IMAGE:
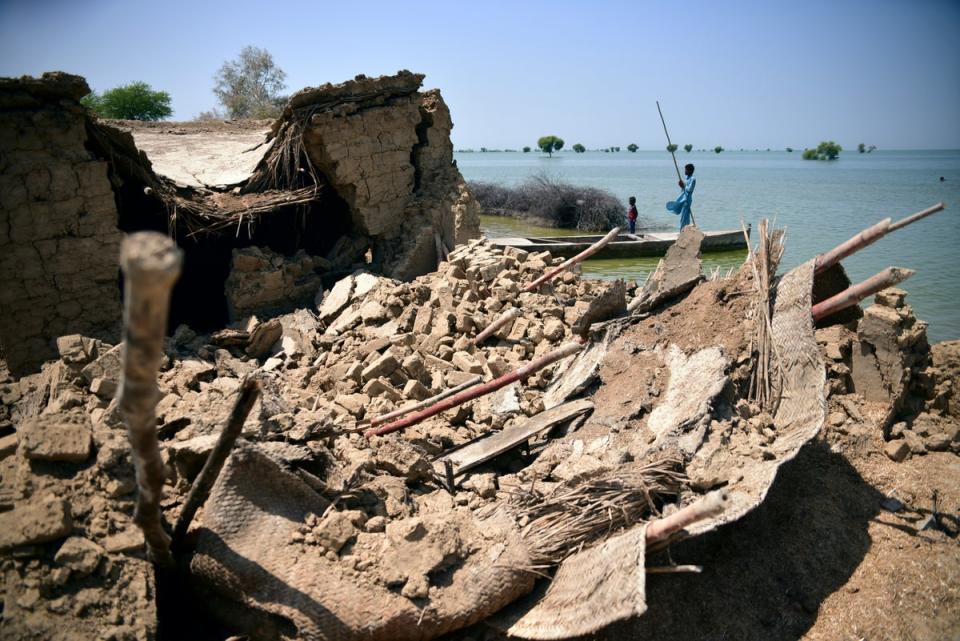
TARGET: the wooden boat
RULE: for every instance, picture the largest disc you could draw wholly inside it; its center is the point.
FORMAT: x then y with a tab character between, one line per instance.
625	245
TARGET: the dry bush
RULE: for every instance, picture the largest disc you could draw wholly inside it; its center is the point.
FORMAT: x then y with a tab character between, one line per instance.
550	202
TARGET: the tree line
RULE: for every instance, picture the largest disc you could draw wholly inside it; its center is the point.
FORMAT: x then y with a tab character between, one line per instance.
249	86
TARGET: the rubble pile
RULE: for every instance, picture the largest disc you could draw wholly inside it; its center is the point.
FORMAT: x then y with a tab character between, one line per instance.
377	516
372	345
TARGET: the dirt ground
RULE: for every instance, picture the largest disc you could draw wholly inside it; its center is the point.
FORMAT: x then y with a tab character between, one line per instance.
821	558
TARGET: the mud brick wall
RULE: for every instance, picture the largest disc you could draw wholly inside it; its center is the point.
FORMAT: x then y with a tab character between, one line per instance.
263	281
385	147
59	242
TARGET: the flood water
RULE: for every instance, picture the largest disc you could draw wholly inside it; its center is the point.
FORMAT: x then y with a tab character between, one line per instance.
819	203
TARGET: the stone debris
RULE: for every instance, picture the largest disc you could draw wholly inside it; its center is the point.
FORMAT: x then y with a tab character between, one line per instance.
47	519
56	437
372	345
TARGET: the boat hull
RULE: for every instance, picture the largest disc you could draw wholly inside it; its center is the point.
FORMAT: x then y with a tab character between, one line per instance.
625	245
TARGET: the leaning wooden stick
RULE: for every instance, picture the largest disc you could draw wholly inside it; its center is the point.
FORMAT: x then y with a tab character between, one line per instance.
869	236
856	293
151	264
503	319
413	407
479	390
200	490
710	505
570	262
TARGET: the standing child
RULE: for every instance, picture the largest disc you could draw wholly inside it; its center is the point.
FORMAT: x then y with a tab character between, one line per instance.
632	215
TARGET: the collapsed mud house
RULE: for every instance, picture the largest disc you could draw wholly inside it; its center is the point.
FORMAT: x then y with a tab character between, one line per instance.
356	174
343	514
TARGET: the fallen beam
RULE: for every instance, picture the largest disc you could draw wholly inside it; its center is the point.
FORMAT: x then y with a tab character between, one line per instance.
856	293
488	447
478	390
151	265
570	262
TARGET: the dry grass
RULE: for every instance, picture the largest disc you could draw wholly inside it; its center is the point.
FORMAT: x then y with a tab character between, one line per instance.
765	365
579	513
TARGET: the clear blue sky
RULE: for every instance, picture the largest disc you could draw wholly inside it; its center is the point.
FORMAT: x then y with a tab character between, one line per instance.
738	74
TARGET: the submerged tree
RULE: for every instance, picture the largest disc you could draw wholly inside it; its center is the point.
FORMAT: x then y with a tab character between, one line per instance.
526	150
250	86
790	150
862	148
826	150
718	149
632	148
579	148
672	148
688	148
550	144
136	101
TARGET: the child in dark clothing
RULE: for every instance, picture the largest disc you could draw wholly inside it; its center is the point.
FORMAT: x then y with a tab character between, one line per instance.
632	215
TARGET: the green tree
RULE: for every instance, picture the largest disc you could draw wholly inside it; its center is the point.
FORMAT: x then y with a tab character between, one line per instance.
826	150
250	86
579	148
136	101
862	148
526	150
717	149
632	148
688	148
550	144
672	148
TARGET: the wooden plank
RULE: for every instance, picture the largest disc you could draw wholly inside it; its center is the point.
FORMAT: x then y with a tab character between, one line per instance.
484	449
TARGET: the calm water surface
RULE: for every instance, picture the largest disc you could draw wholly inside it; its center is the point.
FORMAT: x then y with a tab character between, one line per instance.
819	203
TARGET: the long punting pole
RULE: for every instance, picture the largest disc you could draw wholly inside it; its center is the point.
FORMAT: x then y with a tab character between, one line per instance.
478	390
856	293
675	165
869	236
570	262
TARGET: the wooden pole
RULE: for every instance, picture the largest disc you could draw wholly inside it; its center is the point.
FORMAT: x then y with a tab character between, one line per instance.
479	390
570	262
710	505
869	236
403	411
491	329
200	490
675	165
151	265
856	293
917	216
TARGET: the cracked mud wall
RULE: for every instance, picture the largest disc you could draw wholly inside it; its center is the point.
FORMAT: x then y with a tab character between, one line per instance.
385	147
59	240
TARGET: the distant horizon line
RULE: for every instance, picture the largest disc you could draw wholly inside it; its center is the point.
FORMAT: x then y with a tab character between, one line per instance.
478	150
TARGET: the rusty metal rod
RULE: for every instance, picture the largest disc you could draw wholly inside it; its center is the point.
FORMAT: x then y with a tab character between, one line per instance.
478	390
491	329
856	293
151	265
570	262
200	490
